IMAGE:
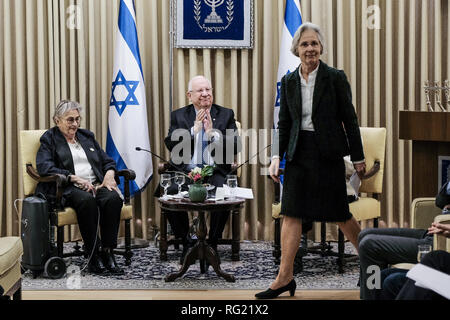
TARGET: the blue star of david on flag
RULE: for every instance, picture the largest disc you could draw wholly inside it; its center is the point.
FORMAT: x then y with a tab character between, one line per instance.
277	102
130	100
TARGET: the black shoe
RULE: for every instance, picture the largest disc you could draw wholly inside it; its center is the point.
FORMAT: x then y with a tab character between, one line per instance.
94	265
271	294
109	262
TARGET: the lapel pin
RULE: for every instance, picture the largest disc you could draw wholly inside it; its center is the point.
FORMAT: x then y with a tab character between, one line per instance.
92	149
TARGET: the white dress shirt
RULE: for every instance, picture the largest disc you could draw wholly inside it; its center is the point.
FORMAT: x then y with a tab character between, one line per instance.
307	88
83	168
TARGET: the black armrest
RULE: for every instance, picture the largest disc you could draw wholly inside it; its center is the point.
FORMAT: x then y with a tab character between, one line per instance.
163	167
372	171
128	175
59	179
276	186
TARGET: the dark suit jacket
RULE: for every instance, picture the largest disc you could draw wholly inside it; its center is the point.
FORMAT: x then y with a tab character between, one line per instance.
223	119
54	157
332	112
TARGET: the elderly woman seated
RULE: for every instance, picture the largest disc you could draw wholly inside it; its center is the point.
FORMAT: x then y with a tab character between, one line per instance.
93	193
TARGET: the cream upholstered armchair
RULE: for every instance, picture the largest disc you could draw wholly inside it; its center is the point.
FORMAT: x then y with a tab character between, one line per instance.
10	276
29	145
367	207
423	213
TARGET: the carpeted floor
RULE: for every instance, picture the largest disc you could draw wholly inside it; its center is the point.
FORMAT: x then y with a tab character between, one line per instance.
255	270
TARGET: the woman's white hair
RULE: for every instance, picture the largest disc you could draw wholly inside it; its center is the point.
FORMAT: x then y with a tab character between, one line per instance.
298	35
65	106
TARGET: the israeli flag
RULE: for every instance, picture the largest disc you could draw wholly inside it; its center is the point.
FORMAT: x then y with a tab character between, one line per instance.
128	127
288	62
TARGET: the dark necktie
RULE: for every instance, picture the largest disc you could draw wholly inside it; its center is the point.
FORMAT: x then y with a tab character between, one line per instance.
204	146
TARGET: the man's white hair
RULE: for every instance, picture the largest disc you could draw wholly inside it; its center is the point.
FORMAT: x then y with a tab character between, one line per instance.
197	78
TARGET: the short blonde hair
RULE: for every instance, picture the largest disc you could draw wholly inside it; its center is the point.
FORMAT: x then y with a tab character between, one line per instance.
298	35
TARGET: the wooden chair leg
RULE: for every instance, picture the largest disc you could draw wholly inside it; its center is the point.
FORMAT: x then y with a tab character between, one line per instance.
277	241
128	253
163	237
18	294
236	238
375	223
341	249
60	241
323	237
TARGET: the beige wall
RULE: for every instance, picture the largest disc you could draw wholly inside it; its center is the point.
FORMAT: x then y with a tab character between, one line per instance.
42	61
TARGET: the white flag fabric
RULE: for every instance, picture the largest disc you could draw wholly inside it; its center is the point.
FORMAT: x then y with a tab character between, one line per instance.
128	127
288	62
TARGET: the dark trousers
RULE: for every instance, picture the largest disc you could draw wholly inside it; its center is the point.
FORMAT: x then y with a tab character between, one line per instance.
392	280
106	203
179	221
438	260
384	247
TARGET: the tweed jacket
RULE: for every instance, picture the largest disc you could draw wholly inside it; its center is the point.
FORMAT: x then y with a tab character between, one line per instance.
335	123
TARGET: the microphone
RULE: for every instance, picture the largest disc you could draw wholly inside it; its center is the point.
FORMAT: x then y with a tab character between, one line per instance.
256	154
159	157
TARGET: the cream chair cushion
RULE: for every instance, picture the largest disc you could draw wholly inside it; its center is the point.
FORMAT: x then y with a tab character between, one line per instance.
440	242
276	210
11	250
69	216
365	209
374	143
29	146
423	212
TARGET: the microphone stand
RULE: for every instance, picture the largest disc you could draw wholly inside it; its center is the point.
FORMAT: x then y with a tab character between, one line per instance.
252	157
138	242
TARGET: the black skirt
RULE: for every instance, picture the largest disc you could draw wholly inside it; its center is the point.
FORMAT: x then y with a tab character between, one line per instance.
314	188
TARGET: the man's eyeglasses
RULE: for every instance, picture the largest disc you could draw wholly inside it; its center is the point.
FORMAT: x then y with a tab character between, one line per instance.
200	91
71	120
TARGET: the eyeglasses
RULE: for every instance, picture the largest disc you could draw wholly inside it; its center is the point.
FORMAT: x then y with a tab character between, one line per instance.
200	91
71	120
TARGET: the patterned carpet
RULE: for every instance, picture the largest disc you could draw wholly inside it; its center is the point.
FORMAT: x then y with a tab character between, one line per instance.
255	270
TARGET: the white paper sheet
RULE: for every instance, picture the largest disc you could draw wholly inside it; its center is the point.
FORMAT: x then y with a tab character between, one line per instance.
355	182
244	193
432	279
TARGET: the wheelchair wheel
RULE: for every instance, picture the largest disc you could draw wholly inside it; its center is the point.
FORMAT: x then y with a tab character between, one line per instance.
55	268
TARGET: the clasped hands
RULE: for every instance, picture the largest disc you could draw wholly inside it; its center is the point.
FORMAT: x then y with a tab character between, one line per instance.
439	228
108	182
203	120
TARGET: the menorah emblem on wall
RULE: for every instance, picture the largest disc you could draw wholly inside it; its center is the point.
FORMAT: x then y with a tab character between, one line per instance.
214	17
433	94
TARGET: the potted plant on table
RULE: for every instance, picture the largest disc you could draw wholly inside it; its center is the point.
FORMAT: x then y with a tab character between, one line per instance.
197	191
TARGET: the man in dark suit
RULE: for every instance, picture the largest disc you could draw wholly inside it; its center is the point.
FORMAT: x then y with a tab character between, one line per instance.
200	134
